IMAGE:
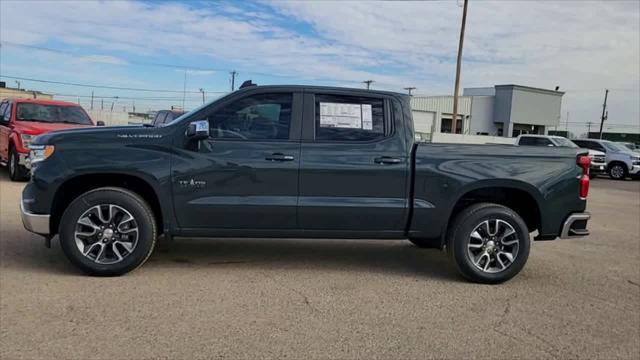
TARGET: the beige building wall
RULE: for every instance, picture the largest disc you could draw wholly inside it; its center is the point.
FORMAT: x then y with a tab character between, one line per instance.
24	94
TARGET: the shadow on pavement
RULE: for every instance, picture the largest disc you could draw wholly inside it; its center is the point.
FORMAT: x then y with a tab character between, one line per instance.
393	257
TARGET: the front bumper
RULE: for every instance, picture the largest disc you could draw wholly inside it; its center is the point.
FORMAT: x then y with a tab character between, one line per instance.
634	170
598	168
575	226
36	223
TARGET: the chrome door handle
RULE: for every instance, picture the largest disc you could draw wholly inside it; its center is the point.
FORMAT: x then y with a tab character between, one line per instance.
279	157
387	160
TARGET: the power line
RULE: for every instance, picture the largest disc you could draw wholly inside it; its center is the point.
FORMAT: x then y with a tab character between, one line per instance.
176	66
105	86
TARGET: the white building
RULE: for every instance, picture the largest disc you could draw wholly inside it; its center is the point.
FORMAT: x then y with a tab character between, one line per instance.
502	110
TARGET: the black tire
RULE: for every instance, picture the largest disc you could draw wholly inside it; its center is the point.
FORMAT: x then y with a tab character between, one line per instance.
17	172
459	238
125	199
618	171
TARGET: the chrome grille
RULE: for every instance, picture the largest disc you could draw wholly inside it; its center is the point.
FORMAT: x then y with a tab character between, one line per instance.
598	159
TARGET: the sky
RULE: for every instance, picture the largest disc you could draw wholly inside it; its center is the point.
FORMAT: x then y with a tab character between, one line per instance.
581	46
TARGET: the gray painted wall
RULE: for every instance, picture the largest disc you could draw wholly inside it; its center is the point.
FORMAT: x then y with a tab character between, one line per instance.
535	108
482	115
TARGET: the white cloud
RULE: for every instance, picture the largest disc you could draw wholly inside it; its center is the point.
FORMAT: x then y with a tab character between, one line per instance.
104	59
580	46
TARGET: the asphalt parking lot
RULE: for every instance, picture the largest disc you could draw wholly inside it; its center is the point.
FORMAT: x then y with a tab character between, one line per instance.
303	299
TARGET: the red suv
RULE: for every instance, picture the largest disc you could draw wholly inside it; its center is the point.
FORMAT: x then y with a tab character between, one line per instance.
23	119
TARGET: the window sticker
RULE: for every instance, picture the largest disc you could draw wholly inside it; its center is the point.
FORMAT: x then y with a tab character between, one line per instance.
367	119
352	116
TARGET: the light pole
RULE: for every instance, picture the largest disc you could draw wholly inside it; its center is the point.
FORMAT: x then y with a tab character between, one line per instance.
202	91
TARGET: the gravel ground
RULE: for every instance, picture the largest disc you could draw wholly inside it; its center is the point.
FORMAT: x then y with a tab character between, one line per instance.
325	298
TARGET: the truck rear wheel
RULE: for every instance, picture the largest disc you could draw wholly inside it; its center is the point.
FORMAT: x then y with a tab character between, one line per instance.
489	243
17	172
108	231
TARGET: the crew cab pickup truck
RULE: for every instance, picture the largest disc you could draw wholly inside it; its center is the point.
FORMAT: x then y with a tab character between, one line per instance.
302	162
23	119
621	161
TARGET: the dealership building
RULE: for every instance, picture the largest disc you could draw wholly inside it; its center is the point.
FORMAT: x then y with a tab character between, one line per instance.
501	110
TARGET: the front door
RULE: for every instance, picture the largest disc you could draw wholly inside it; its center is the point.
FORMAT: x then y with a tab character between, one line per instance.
245	176
5	130
354	166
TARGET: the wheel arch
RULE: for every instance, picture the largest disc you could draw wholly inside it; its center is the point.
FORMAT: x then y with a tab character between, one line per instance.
80	184
522	198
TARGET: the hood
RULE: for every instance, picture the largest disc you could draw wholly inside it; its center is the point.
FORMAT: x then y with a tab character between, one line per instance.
98	134
37	128
595	152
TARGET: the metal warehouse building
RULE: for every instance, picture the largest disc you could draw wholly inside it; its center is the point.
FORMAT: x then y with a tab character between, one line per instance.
502	110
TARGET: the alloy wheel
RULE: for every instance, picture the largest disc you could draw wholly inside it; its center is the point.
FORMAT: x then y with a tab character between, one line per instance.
106	234
493	246
617	172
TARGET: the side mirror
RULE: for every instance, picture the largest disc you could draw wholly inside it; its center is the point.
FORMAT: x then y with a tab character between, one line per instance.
99	123
198	130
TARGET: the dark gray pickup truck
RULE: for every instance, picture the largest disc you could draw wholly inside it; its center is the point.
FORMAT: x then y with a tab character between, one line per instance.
303	162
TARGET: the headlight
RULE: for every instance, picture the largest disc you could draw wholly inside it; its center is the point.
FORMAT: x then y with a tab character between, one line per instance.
26	140
40	152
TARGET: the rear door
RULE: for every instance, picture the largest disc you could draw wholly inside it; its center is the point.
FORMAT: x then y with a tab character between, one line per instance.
245	176
354	165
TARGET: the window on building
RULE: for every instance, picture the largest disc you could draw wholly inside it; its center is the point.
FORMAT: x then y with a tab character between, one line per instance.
445	126
349	118
258	117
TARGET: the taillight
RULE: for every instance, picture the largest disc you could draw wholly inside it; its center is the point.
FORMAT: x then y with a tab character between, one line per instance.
584	186
584	162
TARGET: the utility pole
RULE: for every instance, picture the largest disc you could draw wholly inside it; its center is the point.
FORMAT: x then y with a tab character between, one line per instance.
202	91
91	99
101	104
588	128
368	82
133	103
18	83
410	89
233	79
605	113
459	64
184	89
566	127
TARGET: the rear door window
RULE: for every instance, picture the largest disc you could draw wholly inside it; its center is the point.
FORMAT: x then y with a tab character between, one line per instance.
349	118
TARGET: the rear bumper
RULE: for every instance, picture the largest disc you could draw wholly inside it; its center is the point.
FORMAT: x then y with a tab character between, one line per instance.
36	223
575	226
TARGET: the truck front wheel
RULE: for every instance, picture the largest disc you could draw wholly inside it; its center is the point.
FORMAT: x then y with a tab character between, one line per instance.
489	243
17	172
108	231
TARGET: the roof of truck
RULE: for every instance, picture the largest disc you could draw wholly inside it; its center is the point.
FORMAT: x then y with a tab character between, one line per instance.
42	101
322	88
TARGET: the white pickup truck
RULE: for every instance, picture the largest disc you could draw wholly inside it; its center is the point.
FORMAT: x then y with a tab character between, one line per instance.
598	158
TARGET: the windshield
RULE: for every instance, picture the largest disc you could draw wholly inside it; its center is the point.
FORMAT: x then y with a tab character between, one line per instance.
615	147
562	142
52	114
